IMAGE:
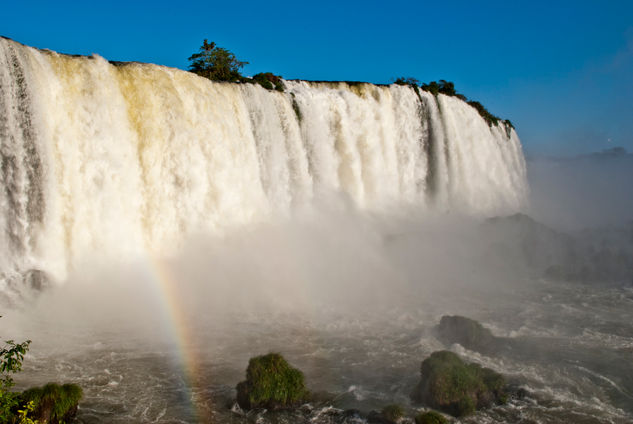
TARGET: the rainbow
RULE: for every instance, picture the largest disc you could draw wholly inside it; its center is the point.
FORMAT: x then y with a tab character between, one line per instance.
180	331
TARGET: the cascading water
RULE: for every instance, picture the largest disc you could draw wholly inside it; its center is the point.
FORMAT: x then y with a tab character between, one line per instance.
130	162
120	158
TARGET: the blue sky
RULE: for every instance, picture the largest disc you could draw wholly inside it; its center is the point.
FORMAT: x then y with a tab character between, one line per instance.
562	71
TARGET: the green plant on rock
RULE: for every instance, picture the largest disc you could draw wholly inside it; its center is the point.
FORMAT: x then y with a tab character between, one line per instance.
59	402
453	386
430	417
392	413
271	383
216	63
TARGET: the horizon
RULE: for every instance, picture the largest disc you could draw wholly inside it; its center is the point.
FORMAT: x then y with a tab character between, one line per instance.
565	97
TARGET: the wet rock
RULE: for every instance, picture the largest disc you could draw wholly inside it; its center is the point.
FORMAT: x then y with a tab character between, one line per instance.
468	333
458	388
390	414
36	279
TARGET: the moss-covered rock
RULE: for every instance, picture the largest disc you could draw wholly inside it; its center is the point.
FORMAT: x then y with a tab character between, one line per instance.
392	413
458	388
271	383
53	403
467	332
430	417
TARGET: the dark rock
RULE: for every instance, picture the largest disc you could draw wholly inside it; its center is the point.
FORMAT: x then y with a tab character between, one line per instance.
271	383
36	279
467	332
458	388
390	414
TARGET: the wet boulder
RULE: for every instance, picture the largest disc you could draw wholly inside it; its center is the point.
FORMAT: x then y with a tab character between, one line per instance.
451	385
390	414
271	383
468	333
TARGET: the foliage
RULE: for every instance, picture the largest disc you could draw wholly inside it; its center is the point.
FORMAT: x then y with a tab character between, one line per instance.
441	87
11	357
216	63
268	80
271	383
392	413
430	417
23	414
456	387
59	402
406	81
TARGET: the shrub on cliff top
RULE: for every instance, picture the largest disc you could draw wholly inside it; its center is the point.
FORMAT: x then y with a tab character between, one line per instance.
271	383
269	81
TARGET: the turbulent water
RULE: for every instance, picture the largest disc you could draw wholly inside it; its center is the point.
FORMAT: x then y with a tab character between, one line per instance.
187	225
127	158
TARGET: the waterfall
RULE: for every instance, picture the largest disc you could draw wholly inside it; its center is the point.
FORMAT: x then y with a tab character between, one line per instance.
128	157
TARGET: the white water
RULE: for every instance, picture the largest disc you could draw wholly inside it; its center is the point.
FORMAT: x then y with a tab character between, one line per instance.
118	160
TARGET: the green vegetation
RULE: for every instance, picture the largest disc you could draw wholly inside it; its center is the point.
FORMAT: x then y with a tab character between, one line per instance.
269	81
392	413
430	417
456	387
271	383
53	404
219	64
407	81
11	357
216	63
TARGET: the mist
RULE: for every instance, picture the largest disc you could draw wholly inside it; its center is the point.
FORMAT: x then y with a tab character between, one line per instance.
591	190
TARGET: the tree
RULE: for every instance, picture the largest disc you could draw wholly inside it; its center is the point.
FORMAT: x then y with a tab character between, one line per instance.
216	63
406	81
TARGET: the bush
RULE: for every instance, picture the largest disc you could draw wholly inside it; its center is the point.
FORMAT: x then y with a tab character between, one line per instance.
53	404
406	81
271	383
269	81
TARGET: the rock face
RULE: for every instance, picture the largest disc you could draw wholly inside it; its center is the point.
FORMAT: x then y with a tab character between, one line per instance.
467	332
458	388
271	383
54	404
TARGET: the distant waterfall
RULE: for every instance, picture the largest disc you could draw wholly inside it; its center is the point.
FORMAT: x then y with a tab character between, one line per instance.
124	158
